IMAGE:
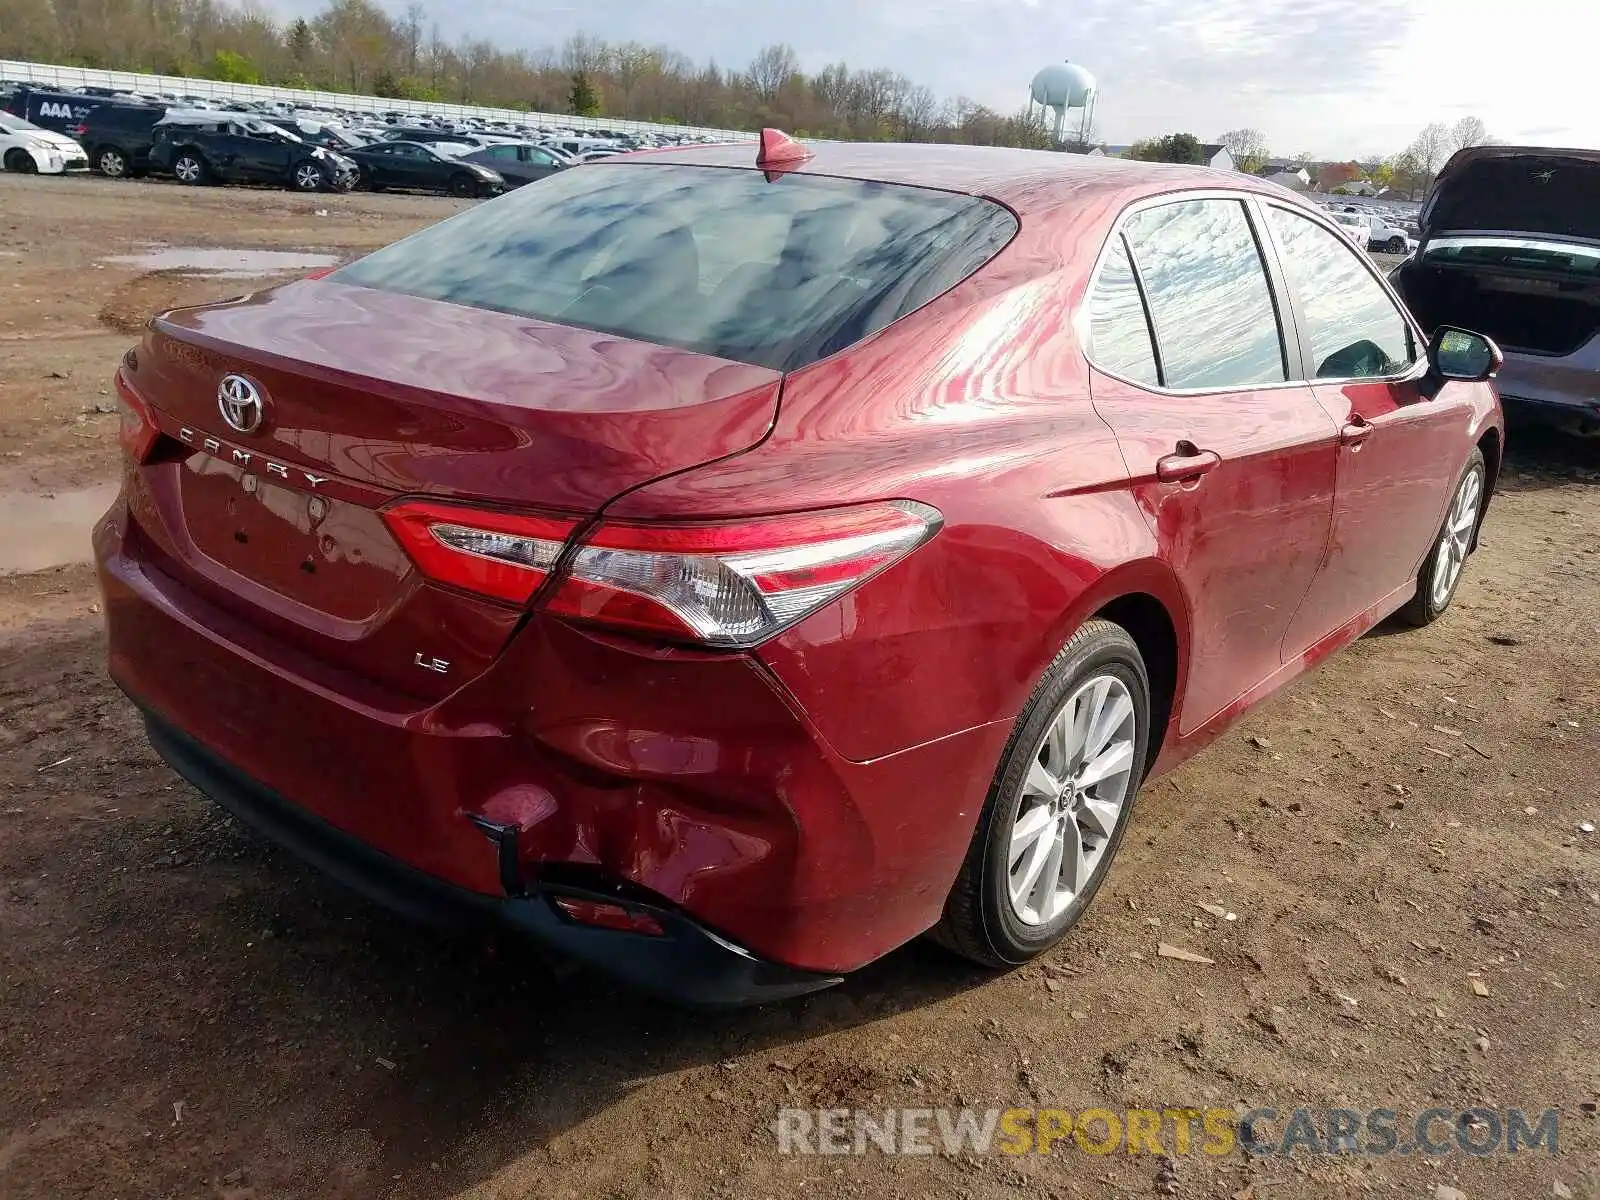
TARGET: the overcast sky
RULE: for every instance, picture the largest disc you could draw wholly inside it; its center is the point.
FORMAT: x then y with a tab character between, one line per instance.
1337	77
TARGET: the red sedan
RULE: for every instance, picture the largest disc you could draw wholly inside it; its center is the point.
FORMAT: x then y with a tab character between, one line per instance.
724	569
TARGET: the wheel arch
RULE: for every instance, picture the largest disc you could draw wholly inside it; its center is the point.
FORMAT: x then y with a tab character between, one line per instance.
1150	625
1492	446
1146	599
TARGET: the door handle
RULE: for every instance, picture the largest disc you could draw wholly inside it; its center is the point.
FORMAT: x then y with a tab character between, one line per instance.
1356	430
1188	462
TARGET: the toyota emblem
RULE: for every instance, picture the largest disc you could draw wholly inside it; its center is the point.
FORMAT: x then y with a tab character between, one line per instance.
239	401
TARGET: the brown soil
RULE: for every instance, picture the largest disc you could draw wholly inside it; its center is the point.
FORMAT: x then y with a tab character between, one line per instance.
187	1012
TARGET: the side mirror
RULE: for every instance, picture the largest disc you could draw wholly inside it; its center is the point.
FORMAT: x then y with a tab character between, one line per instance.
1462	355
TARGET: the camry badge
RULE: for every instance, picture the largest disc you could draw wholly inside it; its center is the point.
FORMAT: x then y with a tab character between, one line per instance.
239	401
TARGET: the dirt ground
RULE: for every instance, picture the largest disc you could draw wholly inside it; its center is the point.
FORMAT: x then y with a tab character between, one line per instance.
187	1012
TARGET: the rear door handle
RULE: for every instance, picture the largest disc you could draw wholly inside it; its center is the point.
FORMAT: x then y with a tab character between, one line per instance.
1187	463
1355	431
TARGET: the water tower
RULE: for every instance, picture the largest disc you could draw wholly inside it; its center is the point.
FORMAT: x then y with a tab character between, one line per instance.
1061	86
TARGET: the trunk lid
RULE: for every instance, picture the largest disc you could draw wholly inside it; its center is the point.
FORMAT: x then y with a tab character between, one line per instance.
1516	189
368	395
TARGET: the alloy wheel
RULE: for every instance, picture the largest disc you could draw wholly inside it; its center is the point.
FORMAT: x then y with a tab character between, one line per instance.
112	164
1451	553
187	169
1071	800
308	178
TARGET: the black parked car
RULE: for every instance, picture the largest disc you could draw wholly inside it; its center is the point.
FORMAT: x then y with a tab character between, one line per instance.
117	137
433	137
211	147
413	165
52	110
519	162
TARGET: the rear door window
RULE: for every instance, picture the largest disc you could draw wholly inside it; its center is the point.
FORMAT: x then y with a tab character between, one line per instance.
1215	321
721	261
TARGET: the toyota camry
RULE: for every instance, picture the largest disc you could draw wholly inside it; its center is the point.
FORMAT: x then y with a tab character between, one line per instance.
724	565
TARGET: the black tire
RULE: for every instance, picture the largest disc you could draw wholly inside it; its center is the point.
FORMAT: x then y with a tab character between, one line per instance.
1396	245
191	169
463	186
112	162
307	176
21	162
979	921
1433	599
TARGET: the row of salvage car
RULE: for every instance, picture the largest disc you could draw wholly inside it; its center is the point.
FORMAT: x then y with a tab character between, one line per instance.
120	137
210	147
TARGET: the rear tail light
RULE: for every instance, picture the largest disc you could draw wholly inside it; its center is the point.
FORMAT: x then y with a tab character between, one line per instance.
503	555
138	433
728	584
735	584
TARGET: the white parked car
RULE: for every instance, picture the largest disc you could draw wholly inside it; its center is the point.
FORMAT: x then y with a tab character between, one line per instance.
1374	233
27	148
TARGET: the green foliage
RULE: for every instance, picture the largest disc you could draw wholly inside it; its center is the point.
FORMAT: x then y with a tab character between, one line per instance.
232	68
582	98
302	43
1173	148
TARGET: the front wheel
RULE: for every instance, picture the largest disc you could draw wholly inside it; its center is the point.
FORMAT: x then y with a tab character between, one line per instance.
308	177
190	169
1441	572
463	186
22	163
1059	804
1396	245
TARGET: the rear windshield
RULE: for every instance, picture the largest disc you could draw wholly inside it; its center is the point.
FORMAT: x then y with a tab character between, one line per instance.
708	259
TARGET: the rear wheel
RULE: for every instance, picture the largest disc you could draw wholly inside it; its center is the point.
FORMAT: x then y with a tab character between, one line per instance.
1441	572
111	162
1059	804
463	186
308	177
190	168
21	162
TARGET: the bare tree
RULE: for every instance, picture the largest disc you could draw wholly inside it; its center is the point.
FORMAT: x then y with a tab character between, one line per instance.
412	28
1468	132
773	67
1248	147
1431	147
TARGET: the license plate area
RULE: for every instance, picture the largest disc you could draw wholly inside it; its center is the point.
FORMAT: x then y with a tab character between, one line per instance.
329	555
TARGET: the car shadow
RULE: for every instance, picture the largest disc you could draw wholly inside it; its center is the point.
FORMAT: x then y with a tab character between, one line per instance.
489	1052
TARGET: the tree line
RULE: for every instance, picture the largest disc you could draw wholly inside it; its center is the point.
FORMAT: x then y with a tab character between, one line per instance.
355	46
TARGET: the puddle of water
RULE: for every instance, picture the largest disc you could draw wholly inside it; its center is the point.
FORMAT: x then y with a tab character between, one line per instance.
38	532
223	264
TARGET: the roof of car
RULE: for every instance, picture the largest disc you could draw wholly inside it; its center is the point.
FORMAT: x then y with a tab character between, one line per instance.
1022	179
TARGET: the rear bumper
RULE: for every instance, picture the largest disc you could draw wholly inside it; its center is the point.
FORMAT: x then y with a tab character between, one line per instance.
693	782
1568	386
687	963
